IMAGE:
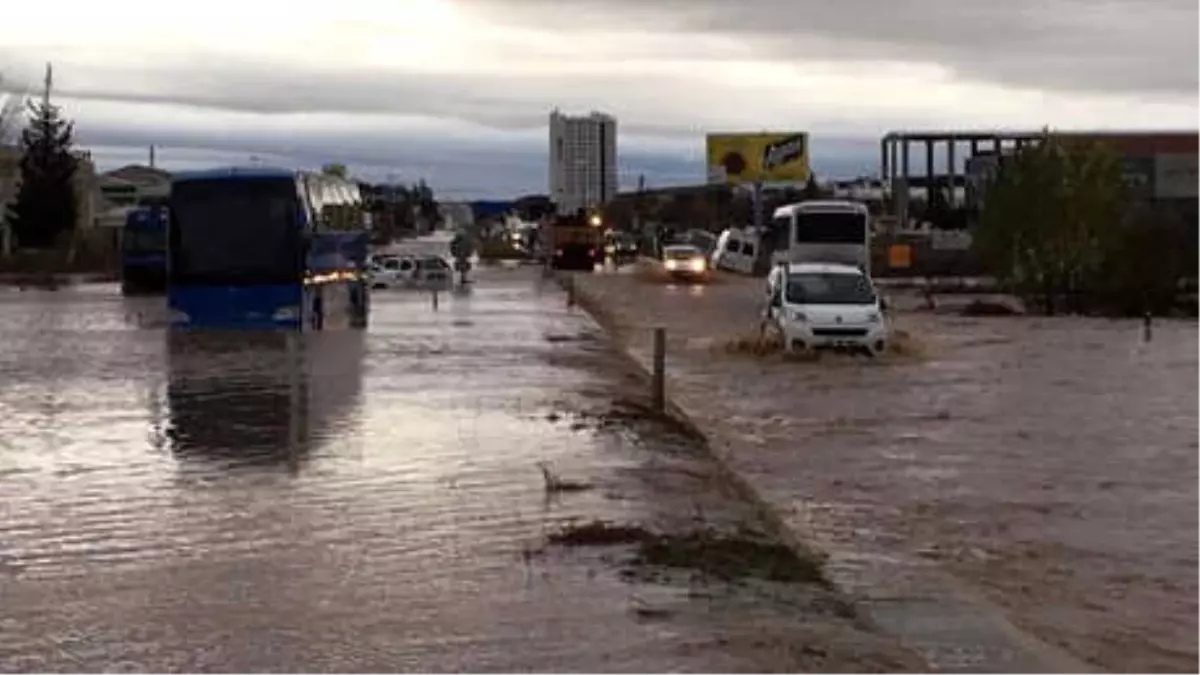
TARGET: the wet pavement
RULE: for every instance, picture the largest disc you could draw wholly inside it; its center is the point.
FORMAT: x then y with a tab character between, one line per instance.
1044	468
364	502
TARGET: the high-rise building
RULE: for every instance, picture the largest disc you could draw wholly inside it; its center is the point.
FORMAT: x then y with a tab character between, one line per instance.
583	160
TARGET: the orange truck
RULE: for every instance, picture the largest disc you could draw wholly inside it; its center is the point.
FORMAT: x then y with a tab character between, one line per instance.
576	241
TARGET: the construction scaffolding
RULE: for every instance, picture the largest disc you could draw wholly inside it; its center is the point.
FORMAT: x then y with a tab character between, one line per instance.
895	155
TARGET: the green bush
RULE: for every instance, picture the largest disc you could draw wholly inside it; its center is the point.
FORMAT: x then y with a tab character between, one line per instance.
1058	229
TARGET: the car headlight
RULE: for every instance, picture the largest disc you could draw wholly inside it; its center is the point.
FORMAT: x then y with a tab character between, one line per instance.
797	315
874	317
671	265
698	265
286	314
176	317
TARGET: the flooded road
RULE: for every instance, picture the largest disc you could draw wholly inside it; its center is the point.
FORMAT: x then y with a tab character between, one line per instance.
362	502
1048	465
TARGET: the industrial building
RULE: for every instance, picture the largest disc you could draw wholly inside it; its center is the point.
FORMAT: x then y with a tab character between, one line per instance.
1158	165
583	160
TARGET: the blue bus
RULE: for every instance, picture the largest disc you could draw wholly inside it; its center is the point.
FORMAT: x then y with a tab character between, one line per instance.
265	248
144	251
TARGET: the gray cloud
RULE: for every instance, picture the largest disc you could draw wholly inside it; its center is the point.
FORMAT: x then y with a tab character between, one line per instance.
491	140
1125	46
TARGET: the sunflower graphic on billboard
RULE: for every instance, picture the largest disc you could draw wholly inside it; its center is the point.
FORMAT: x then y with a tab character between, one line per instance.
759	157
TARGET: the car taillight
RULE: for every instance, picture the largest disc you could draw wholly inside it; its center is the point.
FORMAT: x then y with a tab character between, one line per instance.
592	252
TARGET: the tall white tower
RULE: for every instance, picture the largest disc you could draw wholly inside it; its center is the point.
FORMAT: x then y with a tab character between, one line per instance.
583	160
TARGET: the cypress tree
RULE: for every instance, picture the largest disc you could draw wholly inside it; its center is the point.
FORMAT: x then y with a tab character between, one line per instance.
46	203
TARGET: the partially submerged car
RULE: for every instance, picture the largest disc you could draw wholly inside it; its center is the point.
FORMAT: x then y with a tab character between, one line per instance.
391	271
410	271
826	306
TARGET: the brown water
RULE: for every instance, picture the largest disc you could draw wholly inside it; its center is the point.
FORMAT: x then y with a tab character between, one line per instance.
354	502
1048	464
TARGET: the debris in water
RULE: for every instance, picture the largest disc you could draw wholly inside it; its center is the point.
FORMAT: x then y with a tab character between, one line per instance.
556	484
598	533
706	551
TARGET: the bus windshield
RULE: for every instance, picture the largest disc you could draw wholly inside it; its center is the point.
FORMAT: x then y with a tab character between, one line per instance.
235	231
831	228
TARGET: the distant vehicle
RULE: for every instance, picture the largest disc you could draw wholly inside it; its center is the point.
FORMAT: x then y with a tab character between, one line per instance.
410	271
702	239
622	246
826	306
392	271
829	231
685	261
576	242
265	248
432	270
144	251
736	250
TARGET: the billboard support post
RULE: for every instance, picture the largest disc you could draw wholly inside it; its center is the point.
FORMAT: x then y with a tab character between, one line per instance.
758	206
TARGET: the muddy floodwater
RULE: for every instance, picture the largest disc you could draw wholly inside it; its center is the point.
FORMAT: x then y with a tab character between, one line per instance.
1049	465
368	501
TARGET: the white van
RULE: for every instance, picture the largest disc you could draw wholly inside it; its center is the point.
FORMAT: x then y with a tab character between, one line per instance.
735	251
832	231
826	306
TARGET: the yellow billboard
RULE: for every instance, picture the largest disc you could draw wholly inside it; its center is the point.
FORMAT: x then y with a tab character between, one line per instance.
761	157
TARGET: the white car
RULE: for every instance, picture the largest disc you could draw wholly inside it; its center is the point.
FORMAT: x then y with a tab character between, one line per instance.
826	306
684	261
392	271
432	270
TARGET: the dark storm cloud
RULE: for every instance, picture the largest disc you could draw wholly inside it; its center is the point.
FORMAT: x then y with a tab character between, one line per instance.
1080	59
454	168
230	83
1106	46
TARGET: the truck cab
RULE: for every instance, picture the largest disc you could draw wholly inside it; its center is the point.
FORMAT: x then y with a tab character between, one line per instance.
576	241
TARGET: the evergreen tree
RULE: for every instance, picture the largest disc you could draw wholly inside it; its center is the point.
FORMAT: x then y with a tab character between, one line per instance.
426	205
46	203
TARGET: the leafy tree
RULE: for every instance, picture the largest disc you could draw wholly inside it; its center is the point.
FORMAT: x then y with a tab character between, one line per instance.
335	169
1152	251
397	209
46	204
1050	218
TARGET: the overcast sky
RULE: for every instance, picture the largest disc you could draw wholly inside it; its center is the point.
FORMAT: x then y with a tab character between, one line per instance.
458	91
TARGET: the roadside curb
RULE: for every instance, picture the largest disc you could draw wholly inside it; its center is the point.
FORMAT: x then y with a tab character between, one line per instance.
769	514
953	630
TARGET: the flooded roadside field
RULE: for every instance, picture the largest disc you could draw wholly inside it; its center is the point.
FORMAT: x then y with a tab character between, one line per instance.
1049	465
374	502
